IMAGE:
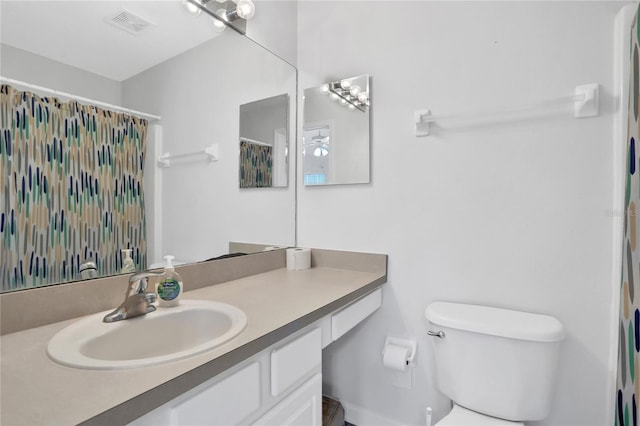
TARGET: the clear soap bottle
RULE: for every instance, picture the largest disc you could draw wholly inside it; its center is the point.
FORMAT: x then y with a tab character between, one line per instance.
127	263
170	288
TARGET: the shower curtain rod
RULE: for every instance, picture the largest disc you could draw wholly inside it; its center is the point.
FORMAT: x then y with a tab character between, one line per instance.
255	142
83	99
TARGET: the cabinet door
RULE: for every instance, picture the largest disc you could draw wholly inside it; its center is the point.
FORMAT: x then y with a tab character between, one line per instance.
291	362
216	402
302	408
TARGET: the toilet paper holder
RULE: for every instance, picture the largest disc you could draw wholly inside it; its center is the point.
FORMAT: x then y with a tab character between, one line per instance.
410	344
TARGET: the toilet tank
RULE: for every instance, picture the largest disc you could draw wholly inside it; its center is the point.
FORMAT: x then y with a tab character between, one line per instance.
495	361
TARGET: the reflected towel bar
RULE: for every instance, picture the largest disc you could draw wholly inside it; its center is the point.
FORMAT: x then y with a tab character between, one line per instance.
585	100
211	152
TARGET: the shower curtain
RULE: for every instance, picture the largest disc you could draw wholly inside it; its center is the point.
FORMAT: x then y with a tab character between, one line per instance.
628	380
71	177
256	165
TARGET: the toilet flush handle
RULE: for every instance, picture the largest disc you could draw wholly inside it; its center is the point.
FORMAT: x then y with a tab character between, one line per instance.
438	333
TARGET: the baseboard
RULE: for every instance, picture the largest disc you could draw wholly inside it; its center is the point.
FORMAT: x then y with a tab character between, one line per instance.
362	417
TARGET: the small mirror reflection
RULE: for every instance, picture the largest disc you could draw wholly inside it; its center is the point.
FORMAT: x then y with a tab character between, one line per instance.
336	132
264	143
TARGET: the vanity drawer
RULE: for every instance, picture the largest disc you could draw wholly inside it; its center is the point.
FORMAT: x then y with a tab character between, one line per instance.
227	402
292	361
347	318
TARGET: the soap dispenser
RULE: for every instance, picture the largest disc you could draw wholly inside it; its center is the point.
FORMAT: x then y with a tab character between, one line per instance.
127	263
170	288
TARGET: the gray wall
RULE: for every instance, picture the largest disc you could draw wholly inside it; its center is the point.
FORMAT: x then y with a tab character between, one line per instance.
21	65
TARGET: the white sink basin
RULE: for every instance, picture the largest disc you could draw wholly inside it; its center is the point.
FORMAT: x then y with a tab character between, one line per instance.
168	334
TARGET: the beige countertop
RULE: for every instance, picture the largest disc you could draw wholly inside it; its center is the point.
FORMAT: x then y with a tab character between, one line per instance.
36	391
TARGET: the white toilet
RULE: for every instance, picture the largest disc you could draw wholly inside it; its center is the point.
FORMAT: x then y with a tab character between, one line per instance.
498	366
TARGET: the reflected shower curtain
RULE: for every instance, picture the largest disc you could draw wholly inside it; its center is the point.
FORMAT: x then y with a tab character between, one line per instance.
628	380
256	165
71	180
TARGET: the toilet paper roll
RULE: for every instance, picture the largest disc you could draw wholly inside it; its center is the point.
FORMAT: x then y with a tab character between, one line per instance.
395	357
298	259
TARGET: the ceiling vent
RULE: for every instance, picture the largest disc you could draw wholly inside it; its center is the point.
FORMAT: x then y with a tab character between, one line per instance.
129	22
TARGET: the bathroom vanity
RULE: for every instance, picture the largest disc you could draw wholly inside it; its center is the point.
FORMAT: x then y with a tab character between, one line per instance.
269	374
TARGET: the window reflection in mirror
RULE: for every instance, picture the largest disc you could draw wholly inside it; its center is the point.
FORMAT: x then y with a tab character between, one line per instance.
335	143
264	143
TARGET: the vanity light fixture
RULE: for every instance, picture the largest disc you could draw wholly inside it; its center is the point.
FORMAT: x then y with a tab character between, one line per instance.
244	9
349	95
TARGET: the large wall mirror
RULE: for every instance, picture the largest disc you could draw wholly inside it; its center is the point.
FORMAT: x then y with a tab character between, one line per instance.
335	144
166	62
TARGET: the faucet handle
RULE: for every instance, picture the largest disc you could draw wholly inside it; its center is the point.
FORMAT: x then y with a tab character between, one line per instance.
146	274
138	282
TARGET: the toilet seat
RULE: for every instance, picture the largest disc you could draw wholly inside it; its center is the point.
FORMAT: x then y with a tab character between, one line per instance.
460	416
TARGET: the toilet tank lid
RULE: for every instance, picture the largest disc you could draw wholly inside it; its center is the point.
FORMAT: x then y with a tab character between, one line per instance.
495	321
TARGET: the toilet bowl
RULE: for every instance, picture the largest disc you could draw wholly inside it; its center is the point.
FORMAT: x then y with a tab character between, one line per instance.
460	416
483	359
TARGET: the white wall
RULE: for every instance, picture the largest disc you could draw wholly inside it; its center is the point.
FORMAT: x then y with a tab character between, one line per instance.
24	66
198	95
514	215
274	26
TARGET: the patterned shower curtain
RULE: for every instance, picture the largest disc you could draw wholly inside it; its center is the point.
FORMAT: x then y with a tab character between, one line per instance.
256	165
628	380
71	179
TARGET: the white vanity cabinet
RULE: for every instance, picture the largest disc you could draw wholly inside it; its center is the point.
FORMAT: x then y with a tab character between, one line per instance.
302	407
279	386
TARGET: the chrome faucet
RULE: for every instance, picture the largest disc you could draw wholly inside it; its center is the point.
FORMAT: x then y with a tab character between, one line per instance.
88	269
137	301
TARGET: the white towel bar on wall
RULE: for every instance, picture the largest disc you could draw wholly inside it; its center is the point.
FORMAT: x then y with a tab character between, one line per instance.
211	152
586	99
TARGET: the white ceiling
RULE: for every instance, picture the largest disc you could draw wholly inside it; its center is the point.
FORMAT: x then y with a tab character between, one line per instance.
77	33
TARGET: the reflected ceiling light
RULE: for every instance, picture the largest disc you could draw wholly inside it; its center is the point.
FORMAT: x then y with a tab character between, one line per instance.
192	8
320	151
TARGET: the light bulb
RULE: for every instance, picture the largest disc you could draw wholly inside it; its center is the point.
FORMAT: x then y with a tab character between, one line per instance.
343	101
354	90
245	9
325	88
222	14
192	8
362	97
345	84
351	107
334	97
218	25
